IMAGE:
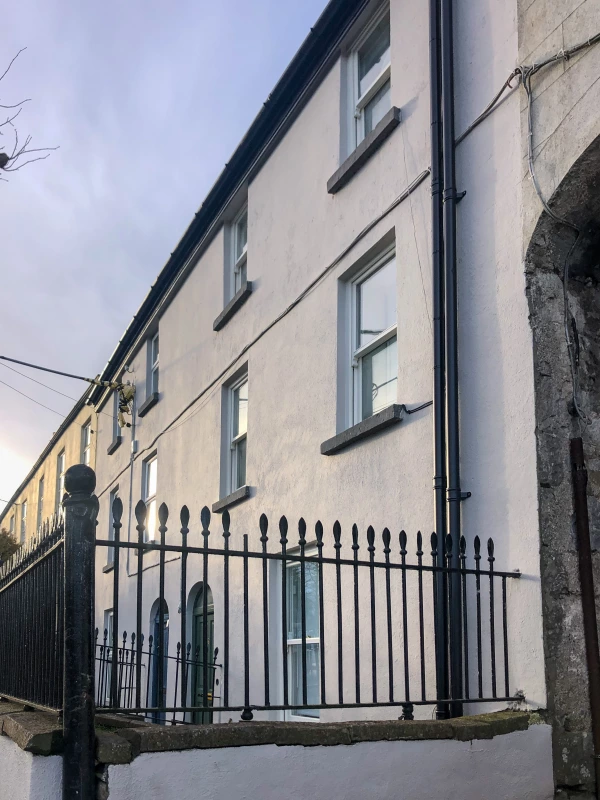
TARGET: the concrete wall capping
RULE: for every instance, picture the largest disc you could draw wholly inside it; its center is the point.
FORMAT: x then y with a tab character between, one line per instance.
367	427
231	499
120	740
236	302
369	145
150	401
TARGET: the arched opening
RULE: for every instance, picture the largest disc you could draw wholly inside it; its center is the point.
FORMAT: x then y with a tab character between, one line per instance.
202	654
159	619
563	289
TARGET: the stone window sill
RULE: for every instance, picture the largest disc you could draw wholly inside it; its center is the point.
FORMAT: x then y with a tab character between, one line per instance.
114	445
369	145
233	306
108	567
150	401
231	500
368	427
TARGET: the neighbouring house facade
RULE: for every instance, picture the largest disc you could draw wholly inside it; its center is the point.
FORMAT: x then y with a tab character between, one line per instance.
40	494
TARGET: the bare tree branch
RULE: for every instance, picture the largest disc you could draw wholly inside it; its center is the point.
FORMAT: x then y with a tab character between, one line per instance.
10	162
12	62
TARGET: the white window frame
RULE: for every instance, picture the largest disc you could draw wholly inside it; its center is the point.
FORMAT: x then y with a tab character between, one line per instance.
40	502
238	264
61	460
23	530
358	103
86	443
357	353
11	525
148	498
233	441
110	551
116	431
288	715
153	365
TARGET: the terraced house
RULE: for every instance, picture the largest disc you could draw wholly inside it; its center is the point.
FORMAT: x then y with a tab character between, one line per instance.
381	323
39	496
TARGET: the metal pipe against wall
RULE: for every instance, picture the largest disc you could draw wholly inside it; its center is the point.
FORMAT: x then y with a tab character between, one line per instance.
586	581
439	376
451	315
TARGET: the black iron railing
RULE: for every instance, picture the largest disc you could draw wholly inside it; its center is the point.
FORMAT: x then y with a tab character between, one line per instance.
305	626
185	666
31	620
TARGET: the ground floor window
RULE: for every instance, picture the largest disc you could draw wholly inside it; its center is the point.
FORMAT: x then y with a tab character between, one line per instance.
294	637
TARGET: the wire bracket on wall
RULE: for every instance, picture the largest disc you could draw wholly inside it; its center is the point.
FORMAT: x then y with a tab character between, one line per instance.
456	495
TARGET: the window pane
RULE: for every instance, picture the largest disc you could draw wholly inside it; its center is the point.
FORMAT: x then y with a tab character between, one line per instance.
377	108
151	520
155	350
155	380
380	378
241	234
240	456
312	677
240	409
374	56
294	601
151	477
377	303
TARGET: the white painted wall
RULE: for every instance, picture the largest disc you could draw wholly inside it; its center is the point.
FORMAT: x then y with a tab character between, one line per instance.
295	230
513	767
24	776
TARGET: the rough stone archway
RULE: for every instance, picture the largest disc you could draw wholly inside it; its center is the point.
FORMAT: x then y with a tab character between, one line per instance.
578	200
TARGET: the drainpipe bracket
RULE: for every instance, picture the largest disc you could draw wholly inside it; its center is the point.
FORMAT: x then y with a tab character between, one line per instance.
452	194
454	495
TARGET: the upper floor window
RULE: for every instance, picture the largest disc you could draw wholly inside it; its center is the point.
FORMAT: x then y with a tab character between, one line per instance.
370	76
239	250
86	443
374	352
11	525
110	551
149	478
116	428
153	365
238	433
61	468
40	506
23	521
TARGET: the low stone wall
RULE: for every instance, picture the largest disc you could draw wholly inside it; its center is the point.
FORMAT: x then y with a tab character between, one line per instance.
502	756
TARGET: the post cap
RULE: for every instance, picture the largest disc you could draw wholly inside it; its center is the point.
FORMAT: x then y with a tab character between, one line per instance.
80	479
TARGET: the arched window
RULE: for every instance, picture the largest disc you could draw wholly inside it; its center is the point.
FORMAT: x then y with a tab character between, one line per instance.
203	672
159	617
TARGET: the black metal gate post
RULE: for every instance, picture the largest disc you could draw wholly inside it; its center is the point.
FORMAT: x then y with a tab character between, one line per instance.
80	508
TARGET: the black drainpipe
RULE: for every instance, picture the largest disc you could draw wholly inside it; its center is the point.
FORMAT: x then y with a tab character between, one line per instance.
454	494
439	377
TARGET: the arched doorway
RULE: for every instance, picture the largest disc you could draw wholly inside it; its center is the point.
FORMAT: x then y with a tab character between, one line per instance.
159	617
203	675
562	267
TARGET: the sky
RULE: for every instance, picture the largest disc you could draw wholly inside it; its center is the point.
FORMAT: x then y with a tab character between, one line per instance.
146	101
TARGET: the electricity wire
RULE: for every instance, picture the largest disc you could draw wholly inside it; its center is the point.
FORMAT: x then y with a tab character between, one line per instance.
33	400
52	389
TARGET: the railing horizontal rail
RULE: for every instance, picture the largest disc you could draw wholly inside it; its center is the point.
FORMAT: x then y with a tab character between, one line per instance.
214	551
